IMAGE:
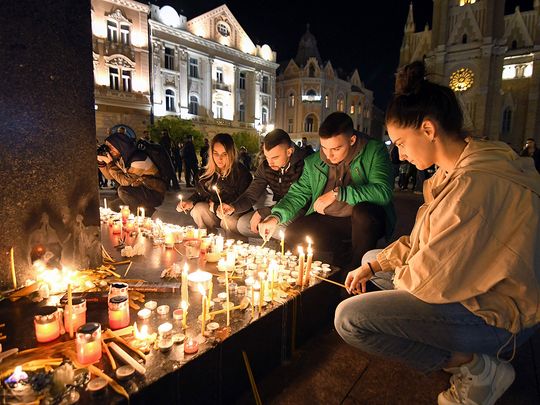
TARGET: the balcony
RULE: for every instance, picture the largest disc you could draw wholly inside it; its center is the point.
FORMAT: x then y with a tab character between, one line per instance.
221	86
311	98
223	122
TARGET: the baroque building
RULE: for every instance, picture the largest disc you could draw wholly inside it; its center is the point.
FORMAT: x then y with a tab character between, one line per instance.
308	90
121	70
491	61
208	70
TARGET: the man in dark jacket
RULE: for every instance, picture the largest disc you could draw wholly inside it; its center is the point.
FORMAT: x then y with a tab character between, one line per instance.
165	141
531	150
189	158
282	167
203	153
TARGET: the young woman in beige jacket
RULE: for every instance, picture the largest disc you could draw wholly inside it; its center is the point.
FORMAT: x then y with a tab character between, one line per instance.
463	288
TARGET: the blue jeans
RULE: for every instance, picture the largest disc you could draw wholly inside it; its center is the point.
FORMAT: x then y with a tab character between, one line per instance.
395	324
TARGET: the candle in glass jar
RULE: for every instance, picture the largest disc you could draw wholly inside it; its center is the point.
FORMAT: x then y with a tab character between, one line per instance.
218	244
125	213
117	227
47	325
78	314
130	226
118	312
88	343
169	238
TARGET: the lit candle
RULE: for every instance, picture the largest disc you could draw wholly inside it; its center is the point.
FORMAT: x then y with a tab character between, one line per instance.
191	345
308	263
118	312
219	244
282	237
88	343
203	314
105	203
301	257
70	310
142	213
272	270
184	288
12	264
261	291
169	238
47	325
309	242
117	227
125	213
18	375
184	314
77	313
130	226
199	278
227	292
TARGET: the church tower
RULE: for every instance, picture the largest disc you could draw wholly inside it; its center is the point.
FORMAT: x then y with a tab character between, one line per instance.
468	47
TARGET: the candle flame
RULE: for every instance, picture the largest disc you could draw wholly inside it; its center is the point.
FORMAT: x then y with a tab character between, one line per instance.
140	334
214	187
180	196
184	305
201	290
18	375
282	235
300	250
308	239
186	268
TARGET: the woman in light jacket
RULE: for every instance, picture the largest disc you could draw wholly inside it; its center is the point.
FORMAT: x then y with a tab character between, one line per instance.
462	291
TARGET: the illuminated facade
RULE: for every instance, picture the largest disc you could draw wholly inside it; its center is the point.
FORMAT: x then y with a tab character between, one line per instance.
308	90
491	60
121	72
208	70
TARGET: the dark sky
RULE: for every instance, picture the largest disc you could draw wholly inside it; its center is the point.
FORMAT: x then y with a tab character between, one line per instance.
365	34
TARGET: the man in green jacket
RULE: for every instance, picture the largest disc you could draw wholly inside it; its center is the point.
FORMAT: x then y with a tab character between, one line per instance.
349	184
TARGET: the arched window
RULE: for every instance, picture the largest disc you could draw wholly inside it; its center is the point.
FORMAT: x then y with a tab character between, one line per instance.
464	39
264	86
291	100
340	104
310	123
352	108
264	116
170	100
219	109
193	107
311	70
506	120
112	31
242	113
327	101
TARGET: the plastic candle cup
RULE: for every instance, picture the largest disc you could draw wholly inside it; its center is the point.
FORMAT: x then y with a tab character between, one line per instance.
88	343
118	312
47	324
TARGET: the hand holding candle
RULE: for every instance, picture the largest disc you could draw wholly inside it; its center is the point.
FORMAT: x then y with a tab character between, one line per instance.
215	188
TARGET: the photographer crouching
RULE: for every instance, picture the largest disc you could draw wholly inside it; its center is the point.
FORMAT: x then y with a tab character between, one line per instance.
140	184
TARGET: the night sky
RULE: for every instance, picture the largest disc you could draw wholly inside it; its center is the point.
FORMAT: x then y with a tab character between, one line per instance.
364	34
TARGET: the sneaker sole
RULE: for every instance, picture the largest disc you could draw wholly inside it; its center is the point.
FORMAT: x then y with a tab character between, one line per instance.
504	377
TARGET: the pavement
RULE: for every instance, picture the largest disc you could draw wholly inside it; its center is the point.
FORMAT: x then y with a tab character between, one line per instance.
327	371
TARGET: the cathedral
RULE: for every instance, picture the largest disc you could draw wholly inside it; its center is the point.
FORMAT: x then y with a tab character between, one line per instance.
491	60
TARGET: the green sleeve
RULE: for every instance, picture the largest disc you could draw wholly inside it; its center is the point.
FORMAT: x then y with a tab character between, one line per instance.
376	169
296	198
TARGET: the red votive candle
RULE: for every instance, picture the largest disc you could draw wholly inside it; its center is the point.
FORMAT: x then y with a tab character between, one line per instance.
47	324
88	343
118	312
191	345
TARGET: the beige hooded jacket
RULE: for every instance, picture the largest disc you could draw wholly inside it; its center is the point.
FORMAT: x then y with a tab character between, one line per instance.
476	239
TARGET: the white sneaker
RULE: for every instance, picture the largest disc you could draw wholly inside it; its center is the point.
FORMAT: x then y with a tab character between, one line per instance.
483	389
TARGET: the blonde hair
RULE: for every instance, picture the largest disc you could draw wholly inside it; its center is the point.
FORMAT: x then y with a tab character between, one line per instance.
228	143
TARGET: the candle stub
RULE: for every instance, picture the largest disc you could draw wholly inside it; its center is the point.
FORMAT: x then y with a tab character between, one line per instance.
212	326
178	314
97	385
124	372
163	310
178	338
151	305
165	345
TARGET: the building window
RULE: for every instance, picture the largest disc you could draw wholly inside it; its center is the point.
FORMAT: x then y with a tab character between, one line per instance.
112	31
464	39
359	109
114	79
170	100
326	101
194	68
264	87
219	75
124	33
169	58
193	107
308	124
506	120
462	79
242	113
242	81
352	109
291	100
340	104
219	109
464	2
290	125
264	116
126	80
311	70
223	29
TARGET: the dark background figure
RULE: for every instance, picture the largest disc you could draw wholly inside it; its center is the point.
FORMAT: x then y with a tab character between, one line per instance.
396	162
307	147
176	150
165	141
146	136
244	157
189	158
203	153
102	181
407	173
531	150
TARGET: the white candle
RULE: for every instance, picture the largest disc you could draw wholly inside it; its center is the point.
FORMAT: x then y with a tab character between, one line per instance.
127	358
184	288
105	203
300	279
219	244
184	314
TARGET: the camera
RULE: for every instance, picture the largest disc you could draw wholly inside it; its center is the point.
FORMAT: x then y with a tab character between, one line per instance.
103	150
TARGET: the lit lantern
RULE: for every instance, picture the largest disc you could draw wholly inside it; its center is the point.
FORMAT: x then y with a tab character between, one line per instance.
47	324
88	343
118	312
201	278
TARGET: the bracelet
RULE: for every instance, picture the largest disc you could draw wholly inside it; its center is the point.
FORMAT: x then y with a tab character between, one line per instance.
371	268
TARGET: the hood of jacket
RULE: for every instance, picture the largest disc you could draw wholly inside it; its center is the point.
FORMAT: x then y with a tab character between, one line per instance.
127	148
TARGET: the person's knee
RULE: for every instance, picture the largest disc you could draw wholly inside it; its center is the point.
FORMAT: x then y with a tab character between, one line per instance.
351	320
244	225
198	211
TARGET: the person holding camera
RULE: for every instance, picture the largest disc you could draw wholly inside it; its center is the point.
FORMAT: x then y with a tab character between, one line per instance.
530	150
140	184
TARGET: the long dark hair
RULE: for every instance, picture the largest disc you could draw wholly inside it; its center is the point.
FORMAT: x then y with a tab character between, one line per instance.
416	99
228	143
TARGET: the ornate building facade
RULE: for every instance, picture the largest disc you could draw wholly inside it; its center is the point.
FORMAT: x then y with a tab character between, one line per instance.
121	70
308	90
491	61
208	70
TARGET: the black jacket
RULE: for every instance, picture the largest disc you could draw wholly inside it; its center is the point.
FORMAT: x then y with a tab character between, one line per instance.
188	153
279	182
229	187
